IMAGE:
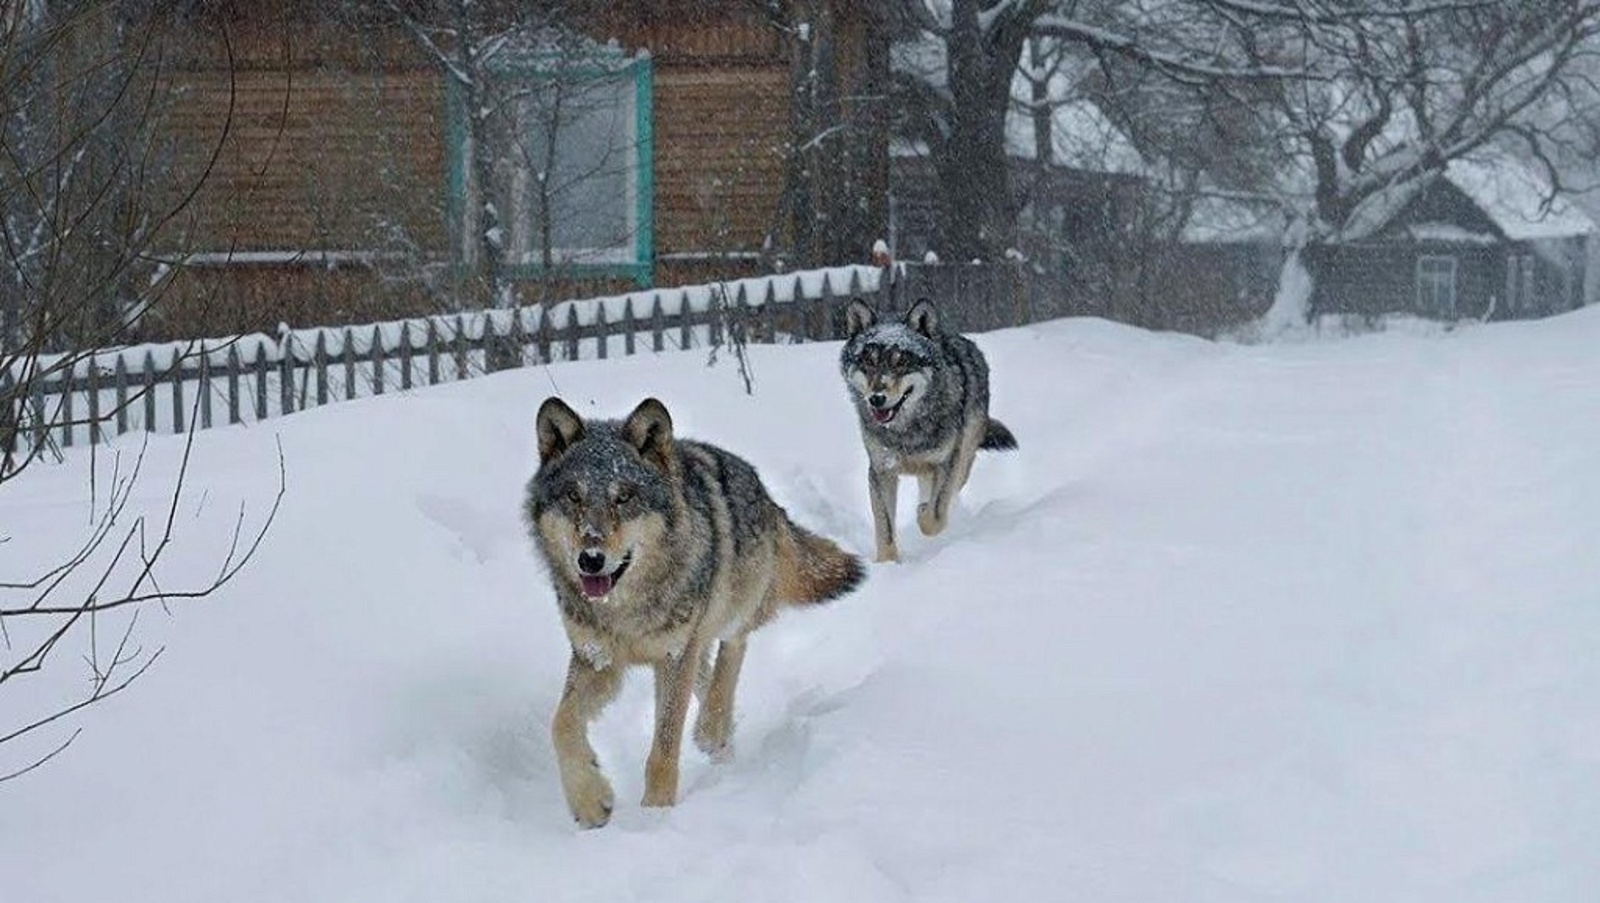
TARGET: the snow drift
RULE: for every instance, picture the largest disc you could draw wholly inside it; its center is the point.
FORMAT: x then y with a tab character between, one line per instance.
1295	623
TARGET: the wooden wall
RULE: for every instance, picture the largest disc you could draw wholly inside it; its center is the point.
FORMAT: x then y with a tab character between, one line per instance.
337	142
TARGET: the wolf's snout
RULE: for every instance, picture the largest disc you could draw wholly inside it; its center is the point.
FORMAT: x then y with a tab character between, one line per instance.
877	399
590	562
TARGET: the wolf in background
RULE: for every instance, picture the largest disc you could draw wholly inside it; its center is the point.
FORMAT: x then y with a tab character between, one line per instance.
922	395
659	548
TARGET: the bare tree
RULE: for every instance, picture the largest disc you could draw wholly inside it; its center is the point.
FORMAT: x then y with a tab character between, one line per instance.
1351	100
834	200
954	98
85	202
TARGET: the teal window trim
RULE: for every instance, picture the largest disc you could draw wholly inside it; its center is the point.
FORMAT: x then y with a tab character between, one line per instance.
642	270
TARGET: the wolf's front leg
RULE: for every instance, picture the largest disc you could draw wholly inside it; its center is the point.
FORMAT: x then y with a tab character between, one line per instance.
674	686
883	489
933	499
588	689
713	728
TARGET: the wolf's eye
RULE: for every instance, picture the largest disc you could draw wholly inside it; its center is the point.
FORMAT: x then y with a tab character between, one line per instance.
573	495
625	495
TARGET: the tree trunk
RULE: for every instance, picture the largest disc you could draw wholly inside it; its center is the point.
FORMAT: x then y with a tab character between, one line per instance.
838	167
973	167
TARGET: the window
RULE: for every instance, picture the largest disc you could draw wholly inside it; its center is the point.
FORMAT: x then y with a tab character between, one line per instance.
568	162
1530	298
1436	284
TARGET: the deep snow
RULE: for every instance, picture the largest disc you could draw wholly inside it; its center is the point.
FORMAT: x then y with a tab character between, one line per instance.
1310	622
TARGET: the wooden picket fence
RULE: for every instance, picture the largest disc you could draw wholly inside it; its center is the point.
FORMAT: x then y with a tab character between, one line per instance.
89	398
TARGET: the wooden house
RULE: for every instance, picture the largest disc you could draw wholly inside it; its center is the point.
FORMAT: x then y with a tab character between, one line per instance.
1483	239
338	157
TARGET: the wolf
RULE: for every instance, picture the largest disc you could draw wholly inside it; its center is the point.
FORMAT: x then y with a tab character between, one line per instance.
659	548
922	396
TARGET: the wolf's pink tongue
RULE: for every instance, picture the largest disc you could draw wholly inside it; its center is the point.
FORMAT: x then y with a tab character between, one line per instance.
596	586
883	415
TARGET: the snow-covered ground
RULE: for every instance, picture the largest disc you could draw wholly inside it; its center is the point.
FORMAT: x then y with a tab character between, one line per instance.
1309	622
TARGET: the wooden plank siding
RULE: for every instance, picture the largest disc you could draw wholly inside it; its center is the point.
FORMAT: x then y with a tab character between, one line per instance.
1381	277
337	145
721	140
313	158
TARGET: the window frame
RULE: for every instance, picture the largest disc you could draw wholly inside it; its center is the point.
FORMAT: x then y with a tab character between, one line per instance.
642	266
1425	278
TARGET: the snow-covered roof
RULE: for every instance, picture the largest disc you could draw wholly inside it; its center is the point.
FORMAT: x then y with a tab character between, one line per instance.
1514	197
1219	220
1518	200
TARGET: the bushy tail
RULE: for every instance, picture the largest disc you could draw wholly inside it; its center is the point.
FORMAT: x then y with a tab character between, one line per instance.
997	437
812	569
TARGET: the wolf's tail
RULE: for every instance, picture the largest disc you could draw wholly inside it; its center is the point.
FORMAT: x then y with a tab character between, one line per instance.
812	569
997	437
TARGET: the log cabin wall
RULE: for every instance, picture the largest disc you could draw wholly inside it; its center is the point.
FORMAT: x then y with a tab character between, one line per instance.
319	138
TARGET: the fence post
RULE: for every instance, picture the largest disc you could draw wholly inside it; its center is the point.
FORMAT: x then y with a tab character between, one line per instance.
515	340
120	381
149	391
628	326
348	355
175	376
571	339
768	315
261	381
67	414
546	338
602	334
378	361
657	323
41	429
405	356
234	366
93	383
461	347
205	387
802	312
319	359
432	340
737	331
285	371
685	318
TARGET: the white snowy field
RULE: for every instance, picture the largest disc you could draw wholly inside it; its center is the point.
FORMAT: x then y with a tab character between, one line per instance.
1311	622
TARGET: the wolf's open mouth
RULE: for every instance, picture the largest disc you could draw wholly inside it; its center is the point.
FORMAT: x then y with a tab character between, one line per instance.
884	415
598	586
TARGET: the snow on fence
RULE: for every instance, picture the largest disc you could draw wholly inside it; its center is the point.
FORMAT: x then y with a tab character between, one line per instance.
172	388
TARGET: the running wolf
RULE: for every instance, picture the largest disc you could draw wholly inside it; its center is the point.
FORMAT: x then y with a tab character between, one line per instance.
923	398
658	548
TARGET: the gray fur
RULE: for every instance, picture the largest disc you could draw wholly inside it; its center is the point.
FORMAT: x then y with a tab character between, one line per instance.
696	555
937	385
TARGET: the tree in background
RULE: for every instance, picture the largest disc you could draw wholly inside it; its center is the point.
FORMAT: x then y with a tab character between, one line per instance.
1318	107
834	200
85	197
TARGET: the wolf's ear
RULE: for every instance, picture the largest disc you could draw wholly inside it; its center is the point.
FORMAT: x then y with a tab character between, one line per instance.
858	316
923	318
559	427
649	429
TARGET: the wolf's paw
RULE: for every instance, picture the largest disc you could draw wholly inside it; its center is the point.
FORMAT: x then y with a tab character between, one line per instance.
888	555
589	797
660	782
929	521
714	737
